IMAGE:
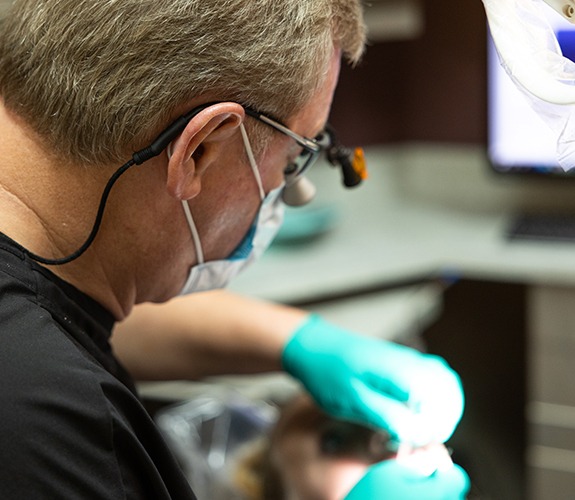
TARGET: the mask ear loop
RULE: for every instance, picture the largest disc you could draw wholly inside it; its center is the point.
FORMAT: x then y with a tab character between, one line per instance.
194	231
190	219
186	206
252	160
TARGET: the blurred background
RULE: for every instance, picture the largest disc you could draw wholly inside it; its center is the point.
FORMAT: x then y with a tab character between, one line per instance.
422	77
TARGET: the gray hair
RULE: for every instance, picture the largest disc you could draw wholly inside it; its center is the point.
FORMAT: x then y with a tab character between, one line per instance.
98	79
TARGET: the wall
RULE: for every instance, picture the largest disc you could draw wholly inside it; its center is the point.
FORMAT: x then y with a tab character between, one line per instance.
431	88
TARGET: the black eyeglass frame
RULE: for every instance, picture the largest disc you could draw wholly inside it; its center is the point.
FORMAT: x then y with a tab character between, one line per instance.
313	147
338	155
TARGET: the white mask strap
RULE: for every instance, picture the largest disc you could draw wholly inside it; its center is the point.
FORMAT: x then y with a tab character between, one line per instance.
252	161
188	212
194	231
190	219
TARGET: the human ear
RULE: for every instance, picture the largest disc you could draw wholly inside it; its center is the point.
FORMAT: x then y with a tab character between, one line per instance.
195	149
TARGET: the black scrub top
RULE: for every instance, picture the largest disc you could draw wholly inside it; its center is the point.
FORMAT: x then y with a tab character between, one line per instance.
71	423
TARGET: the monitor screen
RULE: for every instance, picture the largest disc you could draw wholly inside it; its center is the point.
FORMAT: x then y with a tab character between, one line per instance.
518	140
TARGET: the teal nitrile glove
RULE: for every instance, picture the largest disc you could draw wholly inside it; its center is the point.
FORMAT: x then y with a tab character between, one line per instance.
392	481
415	397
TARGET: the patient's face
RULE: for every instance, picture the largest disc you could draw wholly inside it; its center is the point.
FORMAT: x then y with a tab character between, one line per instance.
315	457
318	458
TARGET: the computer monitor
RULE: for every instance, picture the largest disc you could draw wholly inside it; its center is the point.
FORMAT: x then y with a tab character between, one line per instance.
518	140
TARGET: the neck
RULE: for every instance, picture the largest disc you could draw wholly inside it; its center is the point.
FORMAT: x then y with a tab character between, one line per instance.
49	207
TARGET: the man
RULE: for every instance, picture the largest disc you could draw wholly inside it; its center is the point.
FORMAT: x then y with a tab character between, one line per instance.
143	156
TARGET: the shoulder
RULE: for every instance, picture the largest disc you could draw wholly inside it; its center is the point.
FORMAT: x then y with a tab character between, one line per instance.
70	427
56	416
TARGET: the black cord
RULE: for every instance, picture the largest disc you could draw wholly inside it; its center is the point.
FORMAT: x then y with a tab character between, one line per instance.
154	149
95	227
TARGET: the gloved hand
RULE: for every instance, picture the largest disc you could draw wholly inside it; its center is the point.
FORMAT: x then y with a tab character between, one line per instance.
390	480
415	397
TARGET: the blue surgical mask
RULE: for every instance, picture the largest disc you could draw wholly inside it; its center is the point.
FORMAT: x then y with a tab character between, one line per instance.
218	273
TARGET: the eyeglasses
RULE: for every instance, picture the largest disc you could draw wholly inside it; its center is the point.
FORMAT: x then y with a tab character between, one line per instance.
352	163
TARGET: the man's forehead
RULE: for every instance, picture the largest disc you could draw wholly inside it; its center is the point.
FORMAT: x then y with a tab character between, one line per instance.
310	124
313	117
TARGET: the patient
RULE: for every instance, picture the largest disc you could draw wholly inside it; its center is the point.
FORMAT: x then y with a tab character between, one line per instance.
311	456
